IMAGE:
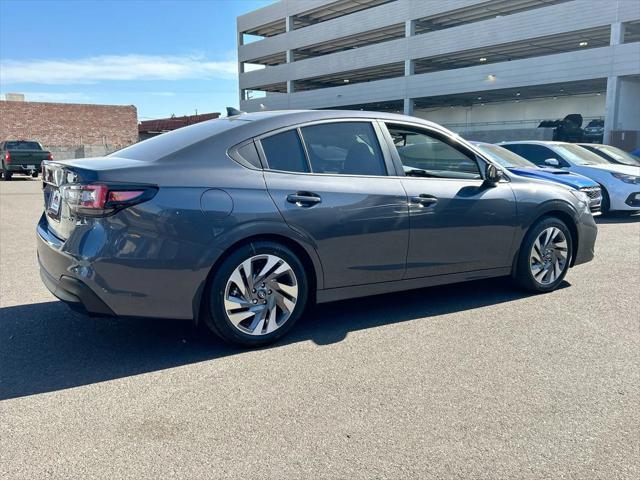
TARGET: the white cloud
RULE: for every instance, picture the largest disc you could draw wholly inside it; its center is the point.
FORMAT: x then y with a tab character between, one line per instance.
113	67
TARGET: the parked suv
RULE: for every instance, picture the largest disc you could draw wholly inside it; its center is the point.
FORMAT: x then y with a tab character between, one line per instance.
22	157
242	222
620	184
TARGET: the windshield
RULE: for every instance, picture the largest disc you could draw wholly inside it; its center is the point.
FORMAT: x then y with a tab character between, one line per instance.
505	157
578	155
619	155
23	145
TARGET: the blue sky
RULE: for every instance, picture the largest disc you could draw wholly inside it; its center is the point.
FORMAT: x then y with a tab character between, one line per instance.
163	56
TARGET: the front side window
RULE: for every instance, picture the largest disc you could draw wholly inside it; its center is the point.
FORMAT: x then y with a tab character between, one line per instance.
349	148
425	155
284	151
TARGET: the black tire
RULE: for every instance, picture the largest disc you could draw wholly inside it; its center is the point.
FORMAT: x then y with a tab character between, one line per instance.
215	316
6	176
523	274
34	175
605	205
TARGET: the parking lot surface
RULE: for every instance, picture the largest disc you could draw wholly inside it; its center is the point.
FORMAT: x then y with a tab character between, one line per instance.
476	380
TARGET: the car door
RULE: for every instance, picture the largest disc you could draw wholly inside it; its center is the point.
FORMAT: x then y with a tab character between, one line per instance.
330	182
459	223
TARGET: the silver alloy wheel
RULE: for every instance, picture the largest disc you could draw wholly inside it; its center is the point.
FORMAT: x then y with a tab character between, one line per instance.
261	294
548	257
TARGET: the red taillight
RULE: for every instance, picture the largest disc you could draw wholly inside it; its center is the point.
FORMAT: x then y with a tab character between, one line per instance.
7	157
92	196
50	157
100	199
124	195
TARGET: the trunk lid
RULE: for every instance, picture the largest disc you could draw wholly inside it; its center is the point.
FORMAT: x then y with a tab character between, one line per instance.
29	158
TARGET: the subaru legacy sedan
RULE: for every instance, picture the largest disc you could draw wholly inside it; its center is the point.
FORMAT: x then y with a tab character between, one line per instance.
242	222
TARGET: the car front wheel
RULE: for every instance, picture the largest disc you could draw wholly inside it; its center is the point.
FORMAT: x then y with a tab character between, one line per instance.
545	255
257	294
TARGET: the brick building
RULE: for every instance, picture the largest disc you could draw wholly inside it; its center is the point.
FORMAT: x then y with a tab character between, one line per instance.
151	128
70	130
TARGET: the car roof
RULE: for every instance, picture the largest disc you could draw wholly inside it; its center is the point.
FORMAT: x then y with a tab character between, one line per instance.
299	116
255	124
228	131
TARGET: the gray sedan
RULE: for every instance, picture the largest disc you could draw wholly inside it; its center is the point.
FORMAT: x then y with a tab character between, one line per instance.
242	222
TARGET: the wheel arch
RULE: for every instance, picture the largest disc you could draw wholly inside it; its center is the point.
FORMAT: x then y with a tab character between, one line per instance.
309	260
567	217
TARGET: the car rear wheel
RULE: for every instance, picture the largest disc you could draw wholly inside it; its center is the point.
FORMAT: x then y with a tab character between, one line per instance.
257	294
545	255
6	176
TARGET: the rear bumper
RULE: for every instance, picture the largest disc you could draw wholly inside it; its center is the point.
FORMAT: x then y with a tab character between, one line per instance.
54	264
23	168
76	294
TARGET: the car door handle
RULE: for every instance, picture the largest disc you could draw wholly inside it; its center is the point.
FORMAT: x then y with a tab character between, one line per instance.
424	199
303	198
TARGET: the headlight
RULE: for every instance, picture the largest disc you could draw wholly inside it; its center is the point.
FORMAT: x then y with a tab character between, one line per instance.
626	178
583	199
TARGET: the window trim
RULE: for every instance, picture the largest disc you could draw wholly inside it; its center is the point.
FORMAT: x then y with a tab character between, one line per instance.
378	136
234	154
446	138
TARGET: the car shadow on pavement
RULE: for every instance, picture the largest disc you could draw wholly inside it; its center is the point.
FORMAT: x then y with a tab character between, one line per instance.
46	347
617	217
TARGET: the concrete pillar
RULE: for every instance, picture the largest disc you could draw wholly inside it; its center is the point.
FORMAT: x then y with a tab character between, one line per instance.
409	28
613	88
408	106
611	107
617	33
409	31
288	27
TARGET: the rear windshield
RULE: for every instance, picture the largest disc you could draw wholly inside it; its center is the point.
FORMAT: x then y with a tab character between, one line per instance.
22	145
170	142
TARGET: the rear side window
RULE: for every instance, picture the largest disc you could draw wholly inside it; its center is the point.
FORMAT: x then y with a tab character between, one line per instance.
284	151
246	155
349	148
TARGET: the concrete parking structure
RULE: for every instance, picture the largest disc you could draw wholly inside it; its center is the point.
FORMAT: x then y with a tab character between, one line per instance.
471	65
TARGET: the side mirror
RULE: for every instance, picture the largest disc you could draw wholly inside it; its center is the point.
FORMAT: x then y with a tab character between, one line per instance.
492	174
552	162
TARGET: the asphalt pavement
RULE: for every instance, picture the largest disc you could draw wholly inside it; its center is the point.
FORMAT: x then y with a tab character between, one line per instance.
476	380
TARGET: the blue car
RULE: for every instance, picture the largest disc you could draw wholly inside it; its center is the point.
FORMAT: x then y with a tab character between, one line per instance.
523	167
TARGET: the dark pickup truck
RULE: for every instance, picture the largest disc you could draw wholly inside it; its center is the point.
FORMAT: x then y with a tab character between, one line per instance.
23	157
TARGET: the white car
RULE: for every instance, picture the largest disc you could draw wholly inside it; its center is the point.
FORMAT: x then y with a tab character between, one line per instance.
620	183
